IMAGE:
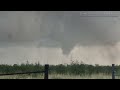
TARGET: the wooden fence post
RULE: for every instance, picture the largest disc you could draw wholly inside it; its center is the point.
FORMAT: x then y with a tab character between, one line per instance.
46	71
113	71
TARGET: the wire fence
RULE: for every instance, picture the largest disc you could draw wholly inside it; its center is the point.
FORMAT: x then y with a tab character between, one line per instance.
114	73
45	71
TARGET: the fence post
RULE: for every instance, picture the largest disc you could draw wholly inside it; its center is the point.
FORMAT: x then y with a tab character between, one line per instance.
46	71
113	71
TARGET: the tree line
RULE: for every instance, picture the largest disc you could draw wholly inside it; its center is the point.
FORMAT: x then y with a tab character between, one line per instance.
74	68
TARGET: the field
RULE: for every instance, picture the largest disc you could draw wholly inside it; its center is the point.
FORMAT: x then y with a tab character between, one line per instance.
59	76
75	70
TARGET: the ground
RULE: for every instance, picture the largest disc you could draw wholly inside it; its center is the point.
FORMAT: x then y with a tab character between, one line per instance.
59	76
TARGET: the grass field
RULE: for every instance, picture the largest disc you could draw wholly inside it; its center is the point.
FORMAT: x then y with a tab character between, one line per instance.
75	70
59	76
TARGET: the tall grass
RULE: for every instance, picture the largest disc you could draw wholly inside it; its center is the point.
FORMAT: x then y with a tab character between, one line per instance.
59	76
74	70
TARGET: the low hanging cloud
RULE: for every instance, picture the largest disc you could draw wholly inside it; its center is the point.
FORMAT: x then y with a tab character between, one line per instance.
60	29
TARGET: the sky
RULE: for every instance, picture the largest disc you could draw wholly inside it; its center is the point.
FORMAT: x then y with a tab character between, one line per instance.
56	37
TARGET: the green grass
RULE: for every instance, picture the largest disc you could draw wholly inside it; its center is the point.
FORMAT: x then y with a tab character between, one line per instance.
75	70
59	76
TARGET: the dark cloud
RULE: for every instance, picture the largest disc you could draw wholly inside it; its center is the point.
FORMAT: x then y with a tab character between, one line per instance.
59	28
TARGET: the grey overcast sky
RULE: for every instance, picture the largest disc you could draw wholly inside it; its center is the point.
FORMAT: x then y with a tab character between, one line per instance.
59	36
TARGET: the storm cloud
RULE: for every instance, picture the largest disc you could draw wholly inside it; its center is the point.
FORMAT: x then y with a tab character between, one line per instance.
61	29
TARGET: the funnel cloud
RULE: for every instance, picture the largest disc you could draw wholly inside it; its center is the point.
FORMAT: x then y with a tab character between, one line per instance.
94	35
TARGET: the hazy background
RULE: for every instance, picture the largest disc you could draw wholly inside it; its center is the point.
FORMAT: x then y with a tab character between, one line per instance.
56	37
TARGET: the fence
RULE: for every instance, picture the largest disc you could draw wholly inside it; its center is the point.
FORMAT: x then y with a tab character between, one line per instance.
114	72
46	72
46	69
